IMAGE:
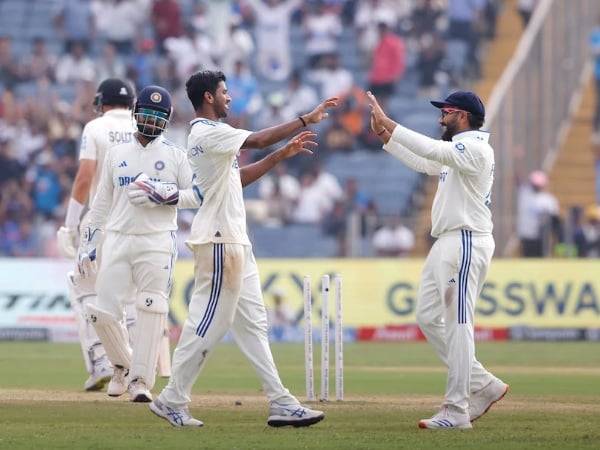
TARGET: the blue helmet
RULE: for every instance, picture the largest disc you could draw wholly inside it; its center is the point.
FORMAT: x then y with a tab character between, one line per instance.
152	111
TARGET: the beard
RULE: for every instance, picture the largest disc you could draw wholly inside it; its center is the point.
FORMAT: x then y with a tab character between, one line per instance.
449	132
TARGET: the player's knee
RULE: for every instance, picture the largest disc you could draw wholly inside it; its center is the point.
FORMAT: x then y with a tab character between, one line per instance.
152	302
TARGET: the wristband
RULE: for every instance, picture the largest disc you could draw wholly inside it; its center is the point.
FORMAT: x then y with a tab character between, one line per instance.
302	120
74	210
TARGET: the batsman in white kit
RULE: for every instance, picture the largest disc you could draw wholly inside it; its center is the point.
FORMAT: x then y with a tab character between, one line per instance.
227	294
457	264
136	210
113	100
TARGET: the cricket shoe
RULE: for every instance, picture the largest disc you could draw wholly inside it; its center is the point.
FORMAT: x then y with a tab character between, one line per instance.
101	374
295	415
176	417
118	383
447	419
481	401
138	391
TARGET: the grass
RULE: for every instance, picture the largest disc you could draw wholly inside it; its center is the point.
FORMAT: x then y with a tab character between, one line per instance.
553	401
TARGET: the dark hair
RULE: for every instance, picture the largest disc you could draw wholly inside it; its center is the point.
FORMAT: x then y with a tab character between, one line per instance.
475	122
201	82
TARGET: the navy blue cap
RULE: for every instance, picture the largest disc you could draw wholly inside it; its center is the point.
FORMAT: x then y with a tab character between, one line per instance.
154	97
465	100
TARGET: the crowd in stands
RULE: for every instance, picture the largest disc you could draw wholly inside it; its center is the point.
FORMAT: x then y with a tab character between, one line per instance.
280	56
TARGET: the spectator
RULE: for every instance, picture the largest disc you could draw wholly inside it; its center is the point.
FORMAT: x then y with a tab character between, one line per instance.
109	65
322	28
239	46
388	63
369	15
279	181
245	95
393	239
328	185
39	64
526	9
166	18
332	79
588	239
301	98
272	113
143	64
463	37
75	22
312	203
75	66
537	216
334	225
273	36
595	50
9	69
120	21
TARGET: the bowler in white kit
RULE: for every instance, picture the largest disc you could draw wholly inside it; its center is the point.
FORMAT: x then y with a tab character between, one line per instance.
136	210
457	264
227	294
113	100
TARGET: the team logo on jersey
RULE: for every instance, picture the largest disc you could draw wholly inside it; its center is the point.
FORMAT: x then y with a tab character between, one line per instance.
460	147
159	165
156	97
123	164
149	301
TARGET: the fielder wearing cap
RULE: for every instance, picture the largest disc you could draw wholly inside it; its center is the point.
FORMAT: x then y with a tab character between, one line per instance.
457	264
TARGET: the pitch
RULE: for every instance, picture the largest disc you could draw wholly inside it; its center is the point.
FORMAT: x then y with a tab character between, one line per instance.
554	401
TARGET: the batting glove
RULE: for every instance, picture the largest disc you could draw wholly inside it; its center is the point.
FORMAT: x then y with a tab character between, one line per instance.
87	255
66	239
147	193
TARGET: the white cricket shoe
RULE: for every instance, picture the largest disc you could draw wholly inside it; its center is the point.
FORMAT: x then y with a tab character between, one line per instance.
176	417
101	374
138	391
295	415
481	401
118	382
447	419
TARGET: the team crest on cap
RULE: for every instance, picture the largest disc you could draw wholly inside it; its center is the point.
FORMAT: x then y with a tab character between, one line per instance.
159	165
156	97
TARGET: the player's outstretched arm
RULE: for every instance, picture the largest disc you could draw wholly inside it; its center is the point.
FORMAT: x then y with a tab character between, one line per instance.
269	136
302	143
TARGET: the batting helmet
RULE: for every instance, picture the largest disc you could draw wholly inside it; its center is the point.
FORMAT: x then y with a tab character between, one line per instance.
152	111
113	92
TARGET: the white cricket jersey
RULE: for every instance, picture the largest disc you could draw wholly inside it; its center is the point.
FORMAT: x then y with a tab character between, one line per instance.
466	174
212	149
162	161
112	128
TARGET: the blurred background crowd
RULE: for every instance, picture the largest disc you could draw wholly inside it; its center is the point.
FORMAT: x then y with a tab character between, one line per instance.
280	57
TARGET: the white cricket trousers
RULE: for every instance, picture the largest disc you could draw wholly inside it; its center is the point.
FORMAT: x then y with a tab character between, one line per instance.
451	282
227	297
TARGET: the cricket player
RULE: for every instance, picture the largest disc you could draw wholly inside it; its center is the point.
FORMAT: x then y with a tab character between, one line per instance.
457	264
136	209
227	294
113	100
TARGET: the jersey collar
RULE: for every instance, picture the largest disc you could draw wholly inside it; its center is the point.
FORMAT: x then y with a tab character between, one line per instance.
475	134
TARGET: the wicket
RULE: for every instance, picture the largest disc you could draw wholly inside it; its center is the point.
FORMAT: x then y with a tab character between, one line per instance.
338	339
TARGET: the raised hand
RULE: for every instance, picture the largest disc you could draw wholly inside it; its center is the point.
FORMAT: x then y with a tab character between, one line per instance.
301	143
376	108
320	112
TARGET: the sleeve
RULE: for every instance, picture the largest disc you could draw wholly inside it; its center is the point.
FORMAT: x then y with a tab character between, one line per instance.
221	139
463	156
104	196
190	195
88	148
411	160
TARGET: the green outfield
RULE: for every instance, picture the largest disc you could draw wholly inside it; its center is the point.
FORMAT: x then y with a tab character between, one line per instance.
554	401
